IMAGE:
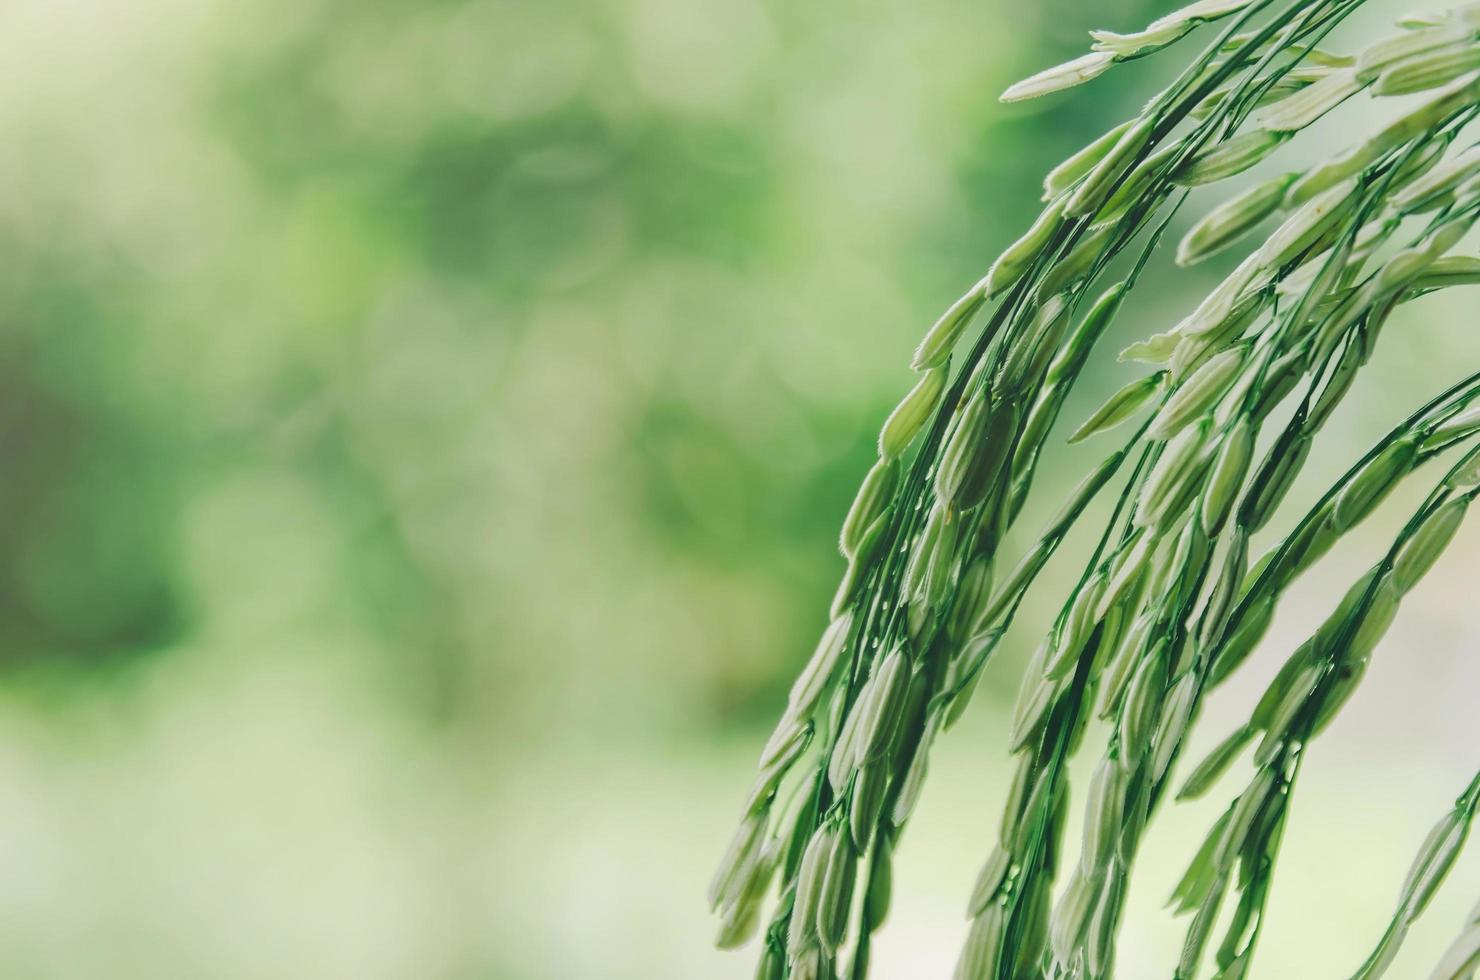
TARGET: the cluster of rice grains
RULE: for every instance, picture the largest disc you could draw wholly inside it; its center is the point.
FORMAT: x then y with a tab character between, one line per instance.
1170	602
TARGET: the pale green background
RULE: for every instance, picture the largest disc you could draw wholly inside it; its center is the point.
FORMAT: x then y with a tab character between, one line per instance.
425	427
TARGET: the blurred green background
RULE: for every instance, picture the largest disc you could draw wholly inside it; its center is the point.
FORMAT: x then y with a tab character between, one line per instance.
425	427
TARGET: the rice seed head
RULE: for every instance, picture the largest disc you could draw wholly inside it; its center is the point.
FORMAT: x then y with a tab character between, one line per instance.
1036	697
810	963
772	964
1232	219
1101	314
1199	12
1246	634
1175	717
1068	641
858	566
909	417
1246	810
1382	607
845	752
981	463
1465	475
1431	188
914	777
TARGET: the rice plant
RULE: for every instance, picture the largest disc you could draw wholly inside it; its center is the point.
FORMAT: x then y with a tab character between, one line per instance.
1170	602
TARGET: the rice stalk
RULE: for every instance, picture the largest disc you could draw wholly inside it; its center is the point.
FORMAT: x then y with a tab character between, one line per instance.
1168	604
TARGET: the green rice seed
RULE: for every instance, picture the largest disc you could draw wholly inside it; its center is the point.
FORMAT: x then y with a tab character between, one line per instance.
1232	219
845	752
1074	266
1018	256
940	339
744	848
1102	816
1309	104
1438	182
1246	809
1335	170
1178	459
866	804
983	949
836	893
873	496
1465	476
1175	717
1120	406
1060	77
1142	704
1194	396
1373	482
810	873
1069	640
988	881
810	963
905	422
1428	71
1398	48
880	884
1433	863
1420	552
1381	609
858	566
1071	917
1212	768
1301	230
1226	478
1247	633
890	686
1273	481
1105	175
1062	177
1230	157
